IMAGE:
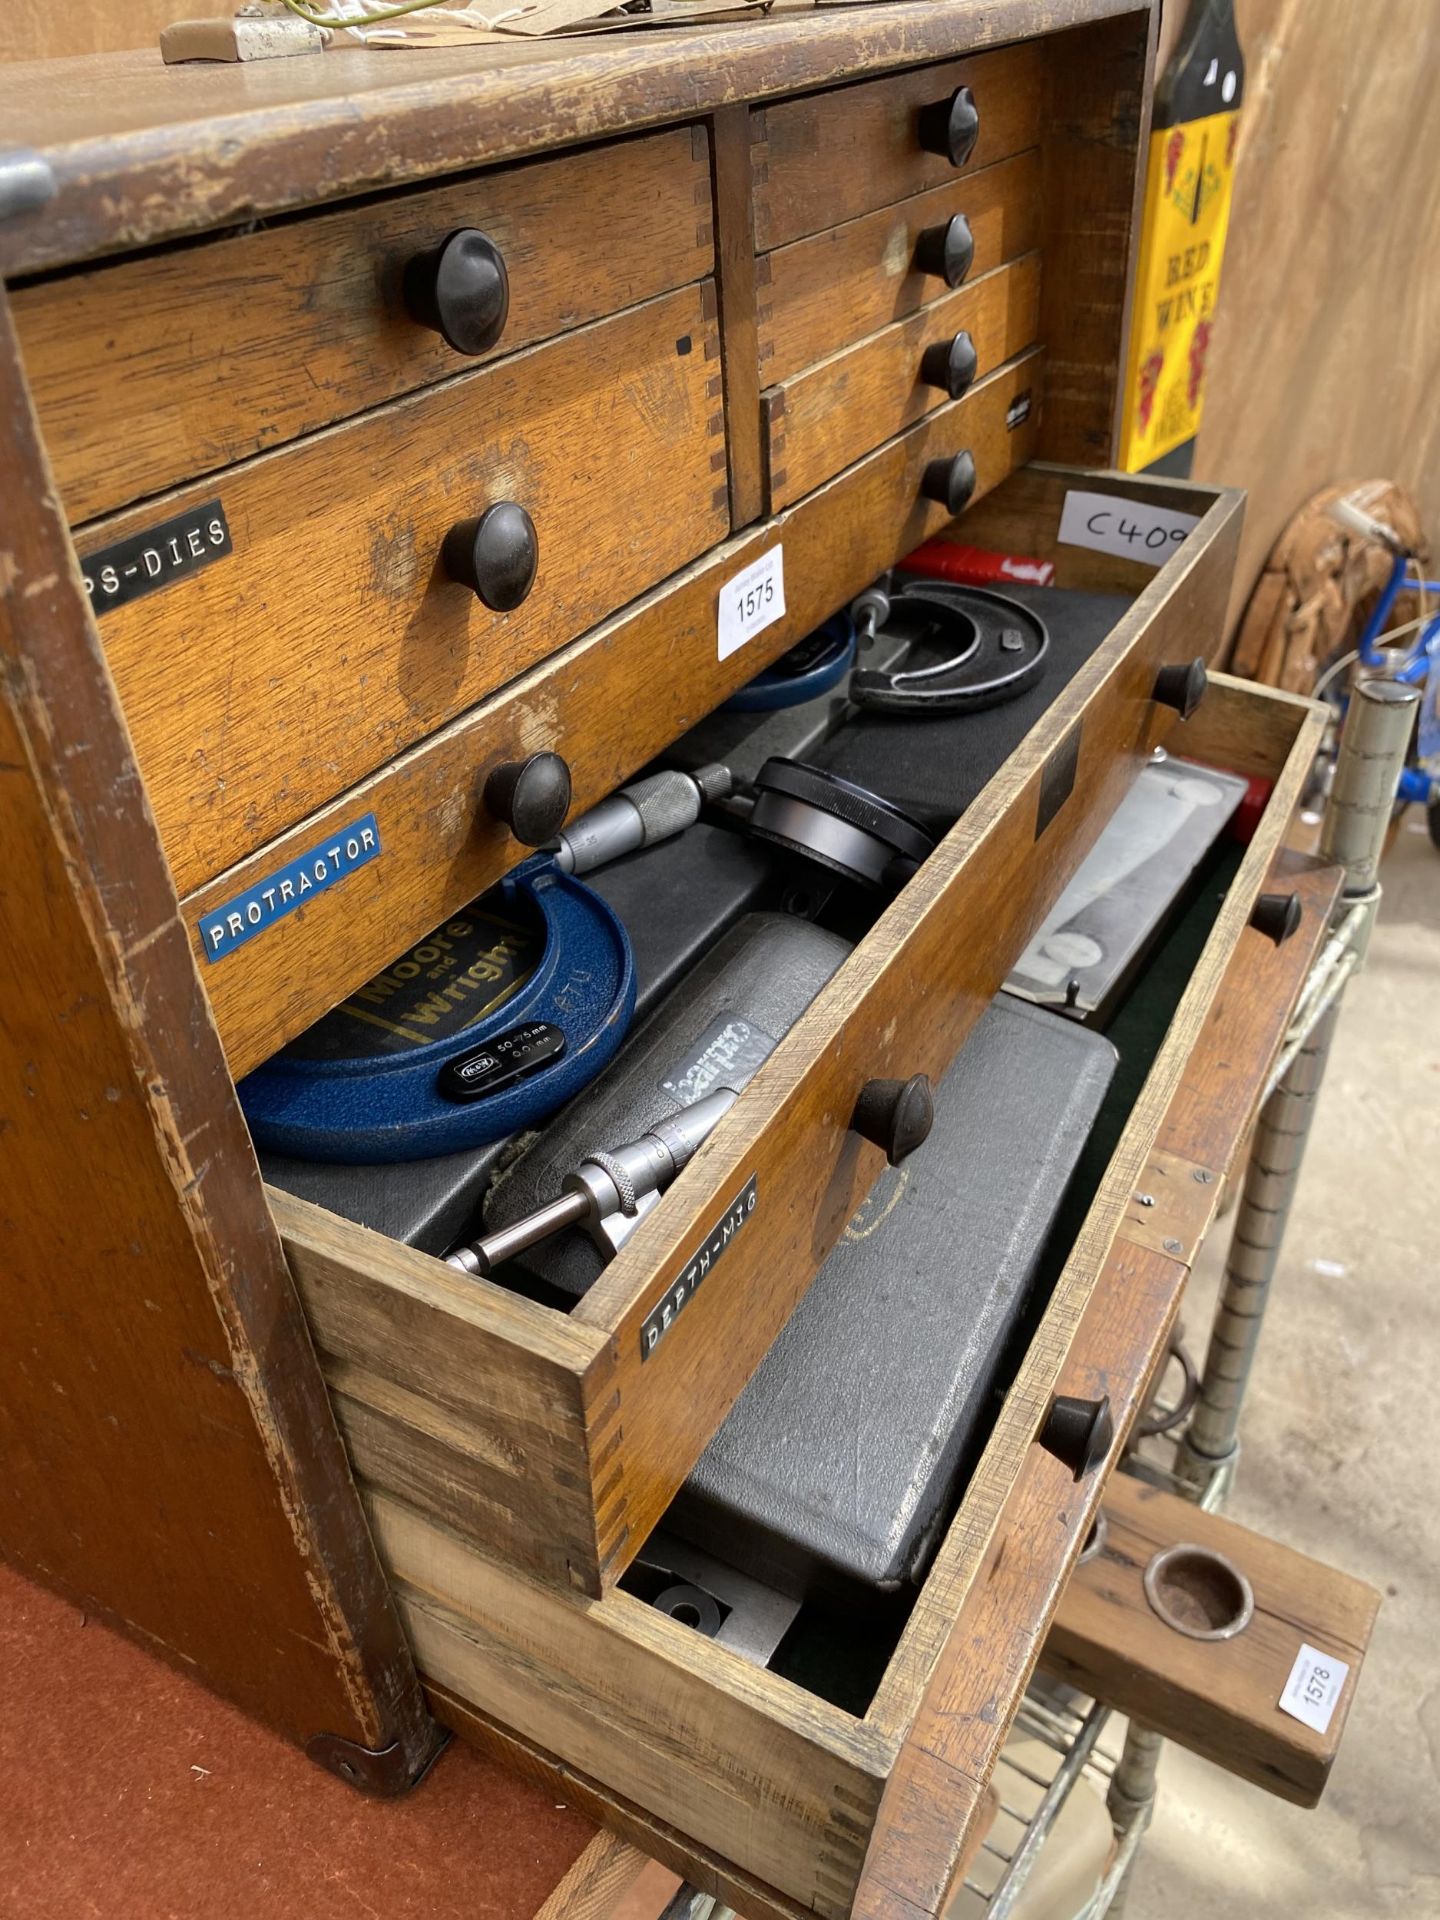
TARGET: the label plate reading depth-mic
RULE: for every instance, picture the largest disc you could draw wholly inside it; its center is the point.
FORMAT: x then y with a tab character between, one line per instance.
663	1315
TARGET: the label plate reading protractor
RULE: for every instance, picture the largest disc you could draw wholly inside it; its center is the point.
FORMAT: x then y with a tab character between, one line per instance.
484	1027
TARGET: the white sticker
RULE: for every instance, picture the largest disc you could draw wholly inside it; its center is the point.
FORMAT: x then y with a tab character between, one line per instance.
1315	1684
1133	529
753	600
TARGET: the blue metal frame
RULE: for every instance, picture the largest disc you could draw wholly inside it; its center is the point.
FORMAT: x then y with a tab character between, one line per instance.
1417	785
1416	663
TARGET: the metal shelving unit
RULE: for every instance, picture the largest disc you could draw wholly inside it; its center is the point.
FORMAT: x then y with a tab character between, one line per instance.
1198	1460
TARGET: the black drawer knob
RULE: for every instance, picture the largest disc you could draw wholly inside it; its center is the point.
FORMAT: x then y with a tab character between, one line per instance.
951	127
948	252
461	289
1277	916
895	1114
1079	1433
531	796
495	555
1181	687
950	482
950	365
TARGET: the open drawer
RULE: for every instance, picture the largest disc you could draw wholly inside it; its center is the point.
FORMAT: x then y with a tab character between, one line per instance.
514	1459
555	1442
750	1783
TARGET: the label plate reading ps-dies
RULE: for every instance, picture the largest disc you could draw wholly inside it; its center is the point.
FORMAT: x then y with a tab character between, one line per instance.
145	562
289	887
663	1315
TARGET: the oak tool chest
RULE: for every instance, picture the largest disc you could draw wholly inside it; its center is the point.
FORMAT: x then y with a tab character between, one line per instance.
402	451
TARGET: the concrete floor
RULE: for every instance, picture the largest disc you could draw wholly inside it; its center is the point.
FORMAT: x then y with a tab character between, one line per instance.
1340	1439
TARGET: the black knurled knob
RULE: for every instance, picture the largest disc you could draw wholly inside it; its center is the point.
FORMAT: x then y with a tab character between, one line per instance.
495	555
950	482
951	127
1079	1433
1277	916
950	365
1181	687
532	797
461	289
947	251
895	1114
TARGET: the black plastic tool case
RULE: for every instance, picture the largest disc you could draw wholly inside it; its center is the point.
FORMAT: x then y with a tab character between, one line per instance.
837	1461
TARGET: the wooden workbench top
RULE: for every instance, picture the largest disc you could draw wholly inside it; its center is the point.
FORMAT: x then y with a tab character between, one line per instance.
141	152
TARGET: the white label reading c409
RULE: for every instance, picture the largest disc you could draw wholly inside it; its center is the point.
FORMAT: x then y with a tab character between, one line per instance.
1130	529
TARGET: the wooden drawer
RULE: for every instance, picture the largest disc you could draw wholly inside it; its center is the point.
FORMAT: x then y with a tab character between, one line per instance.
330	639
568	1479
818	421
600	704
828	157
158	369
821	293
756	1787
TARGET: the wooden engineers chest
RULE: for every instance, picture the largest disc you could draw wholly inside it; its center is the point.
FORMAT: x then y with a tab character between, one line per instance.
305	1462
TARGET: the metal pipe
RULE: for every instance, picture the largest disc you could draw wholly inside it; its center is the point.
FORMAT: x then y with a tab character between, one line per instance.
1209	1445
1111	1890
1131	1799
1376	737
1344	939
1373	746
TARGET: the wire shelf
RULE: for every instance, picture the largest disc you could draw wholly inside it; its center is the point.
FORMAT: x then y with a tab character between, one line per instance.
1054	1745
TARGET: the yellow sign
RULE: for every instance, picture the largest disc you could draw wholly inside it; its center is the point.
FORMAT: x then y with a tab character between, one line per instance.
1187	212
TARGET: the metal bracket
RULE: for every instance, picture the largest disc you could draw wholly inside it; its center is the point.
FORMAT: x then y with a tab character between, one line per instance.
385	1772
1202	1480
26	182
1172	1206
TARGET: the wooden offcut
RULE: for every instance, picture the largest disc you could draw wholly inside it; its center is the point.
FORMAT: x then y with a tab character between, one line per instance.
1219	1698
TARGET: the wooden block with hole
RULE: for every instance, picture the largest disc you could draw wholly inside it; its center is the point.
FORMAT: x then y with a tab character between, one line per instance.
1232	1699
